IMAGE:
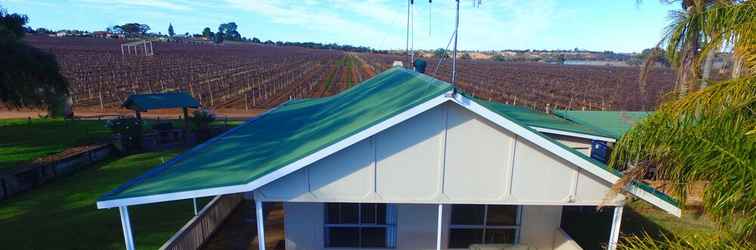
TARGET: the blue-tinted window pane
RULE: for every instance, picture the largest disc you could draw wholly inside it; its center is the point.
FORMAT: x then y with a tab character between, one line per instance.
374	237
467	214
349	213
501	215
463	238
343	237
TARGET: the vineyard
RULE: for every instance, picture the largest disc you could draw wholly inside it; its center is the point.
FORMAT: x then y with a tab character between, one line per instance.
549	86
220	76
251	76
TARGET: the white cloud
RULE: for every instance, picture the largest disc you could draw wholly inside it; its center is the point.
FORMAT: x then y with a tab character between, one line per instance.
332	22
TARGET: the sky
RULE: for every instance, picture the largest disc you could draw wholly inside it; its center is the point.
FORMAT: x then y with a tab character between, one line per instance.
598	25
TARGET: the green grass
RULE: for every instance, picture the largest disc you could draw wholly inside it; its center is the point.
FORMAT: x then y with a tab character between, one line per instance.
591	228
22	141
63	215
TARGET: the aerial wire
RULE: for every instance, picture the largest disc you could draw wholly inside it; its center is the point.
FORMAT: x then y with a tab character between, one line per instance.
430	19
441	60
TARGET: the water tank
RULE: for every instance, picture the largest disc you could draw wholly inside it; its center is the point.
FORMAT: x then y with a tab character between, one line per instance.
420	65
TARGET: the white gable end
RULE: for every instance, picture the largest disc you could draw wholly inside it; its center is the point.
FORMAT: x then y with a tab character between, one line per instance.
444	155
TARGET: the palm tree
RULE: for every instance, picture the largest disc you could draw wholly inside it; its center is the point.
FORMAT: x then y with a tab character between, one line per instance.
708	134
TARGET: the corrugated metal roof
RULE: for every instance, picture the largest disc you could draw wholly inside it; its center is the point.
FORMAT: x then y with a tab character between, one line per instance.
538	119
144	102
290	132
299	128
613	123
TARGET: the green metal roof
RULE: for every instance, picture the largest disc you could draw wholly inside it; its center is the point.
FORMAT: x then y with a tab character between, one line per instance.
290	132
144	102
299	128
538	119
614	123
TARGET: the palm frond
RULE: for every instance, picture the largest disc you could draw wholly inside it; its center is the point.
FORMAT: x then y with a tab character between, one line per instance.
706	135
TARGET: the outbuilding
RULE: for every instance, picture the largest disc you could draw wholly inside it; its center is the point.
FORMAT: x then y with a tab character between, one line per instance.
400	161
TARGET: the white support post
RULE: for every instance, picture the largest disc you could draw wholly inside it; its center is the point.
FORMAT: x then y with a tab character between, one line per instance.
614	234
126	227
260	224
194	201
439	227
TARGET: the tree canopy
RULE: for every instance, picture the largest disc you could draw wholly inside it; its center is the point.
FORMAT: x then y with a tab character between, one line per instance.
29	77
228	31
206	32
441	53
131	29
170	30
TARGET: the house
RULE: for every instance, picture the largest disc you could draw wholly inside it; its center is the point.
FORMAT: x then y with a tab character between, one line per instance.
400	161
102	34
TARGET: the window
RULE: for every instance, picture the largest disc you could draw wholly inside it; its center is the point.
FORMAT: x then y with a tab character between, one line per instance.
483	224
359	225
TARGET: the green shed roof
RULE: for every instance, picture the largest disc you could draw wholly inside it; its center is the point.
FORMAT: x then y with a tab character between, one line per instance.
614	123
286	134
538	119
144	102
299	128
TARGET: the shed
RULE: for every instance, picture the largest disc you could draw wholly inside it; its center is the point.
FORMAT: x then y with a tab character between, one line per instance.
401	161
145	102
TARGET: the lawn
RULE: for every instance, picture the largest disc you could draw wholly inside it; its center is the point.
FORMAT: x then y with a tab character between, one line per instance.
590	228
63	215
22	141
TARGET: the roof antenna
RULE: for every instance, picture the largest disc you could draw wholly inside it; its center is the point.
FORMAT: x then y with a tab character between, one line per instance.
430	19
454	53
410	53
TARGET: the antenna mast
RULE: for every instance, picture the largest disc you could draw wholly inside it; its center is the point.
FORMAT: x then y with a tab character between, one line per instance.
454	53
410	54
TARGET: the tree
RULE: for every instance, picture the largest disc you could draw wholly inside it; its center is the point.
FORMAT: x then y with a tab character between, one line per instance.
42	31
441	53
29	77
255	40
218	38
206	32
228	31
705	135
500	58
12	25
170	30
131	29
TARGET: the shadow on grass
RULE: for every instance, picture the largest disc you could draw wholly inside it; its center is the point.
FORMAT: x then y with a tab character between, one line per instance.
590	228
63	214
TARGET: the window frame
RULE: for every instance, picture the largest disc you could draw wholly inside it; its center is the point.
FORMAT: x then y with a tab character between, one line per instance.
517	227
390	226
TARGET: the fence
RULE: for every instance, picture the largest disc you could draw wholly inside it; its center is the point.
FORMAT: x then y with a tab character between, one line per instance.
202	226
22	179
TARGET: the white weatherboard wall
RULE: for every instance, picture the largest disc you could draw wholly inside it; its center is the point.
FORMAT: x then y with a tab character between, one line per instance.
444	155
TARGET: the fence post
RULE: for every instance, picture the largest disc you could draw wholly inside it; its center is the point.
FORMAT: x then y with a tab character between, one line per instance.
5	188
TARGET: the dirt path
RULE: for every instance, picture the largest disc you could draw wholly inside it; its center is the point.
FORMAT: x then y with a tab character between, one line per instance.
239	231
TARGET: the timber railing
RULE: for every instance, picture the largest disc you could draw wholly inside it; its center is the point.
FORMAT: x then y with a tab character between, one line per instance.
27	177
201	227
